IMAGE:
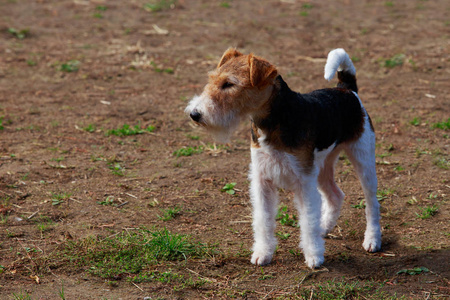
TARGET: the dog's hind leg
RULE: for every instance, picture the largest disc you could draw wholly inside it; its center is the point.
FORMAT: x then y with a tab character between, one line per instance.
362	155
332	195
264	198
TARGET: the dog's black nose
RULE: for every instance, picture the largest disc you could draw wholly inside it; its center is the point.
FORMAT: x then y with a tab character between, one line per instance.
195	115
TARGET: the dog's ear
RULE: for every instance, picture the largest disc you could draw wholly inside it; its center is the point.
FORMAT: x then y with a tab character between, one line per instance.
262	72
230	53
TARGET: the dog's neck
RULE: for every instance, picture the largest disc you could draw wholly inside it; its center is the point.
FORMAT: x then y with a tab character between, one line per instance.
268	116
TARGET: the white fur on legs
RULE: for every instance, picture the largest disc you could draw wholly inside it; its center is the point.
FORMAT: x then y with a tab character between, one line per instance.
332	195
362	156
264	198
308	202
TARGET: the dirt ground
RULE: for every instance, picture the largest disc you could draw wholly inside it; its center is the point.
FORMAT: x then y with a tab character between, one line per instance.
71	71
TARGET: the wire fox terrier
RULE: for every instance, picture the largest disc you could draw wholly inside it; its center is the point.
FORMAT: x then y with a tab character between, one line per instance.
295	142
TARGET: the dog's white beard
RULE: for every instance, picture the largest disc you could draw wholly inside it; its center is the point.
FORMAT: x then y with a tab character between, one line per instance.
222	133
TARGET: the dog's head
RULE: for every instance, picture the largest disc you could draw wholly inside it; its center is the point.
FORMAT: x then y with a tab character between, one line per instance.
239	86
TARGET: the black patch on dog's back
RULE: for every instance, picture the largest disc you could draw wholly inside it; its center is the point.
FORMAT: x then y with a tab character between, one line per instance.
317	119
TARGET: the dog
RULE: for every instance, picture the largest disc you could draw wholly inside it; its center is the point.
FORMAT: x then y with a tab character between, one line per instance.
295	142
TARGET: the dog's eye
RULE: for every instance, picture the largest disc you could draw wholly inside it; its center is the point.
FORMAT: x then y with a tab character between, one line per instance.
227	85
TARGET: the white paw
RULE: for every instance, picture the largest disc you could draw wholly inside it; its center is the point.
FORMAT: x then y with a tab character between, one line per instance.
372	244
314	261
261	259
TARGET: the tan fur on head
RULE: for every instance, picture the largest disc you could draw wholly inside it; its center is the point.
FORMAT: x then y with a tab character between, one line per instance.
238	87
227	55
262	73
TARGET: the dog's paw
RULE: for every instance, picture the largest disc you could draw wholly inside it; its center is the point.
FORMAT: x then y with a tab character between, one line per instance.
372	244
261	259
314	261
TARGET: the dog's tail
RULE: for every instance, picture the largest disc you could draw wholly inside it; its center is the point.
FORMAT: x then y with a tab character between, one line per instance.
338	60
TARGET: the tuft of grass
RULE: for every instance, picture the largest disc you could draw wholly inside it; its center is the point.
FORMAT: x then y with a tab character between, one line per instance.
415	122
44	223
127	130
284	218
70	66
61	293
160	5
414	271
19	33
344	289
21	296
193	137
58	198
229	188
444	125
225	4
116	169
399	168
161	70
90	128
442	163
169	213
361	205
282	235
1	123
383	194
132	252
396	60
187	151
31	62
109	201
427	212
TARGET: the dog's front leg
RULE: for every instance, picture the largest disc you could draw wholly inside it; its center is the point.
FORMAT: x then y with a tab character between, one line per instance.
264	198
308	201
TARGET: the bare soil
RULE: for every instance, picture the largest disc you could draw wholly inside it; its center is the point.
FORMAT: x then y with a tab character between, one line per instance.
85	67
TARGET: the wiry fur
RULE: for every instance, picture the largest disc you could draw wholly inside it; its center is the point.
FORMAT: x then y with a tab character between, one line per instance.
296	140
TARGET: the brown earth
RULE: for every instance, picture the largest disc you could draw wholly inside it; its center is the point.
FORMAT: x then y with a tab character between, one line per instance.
139	67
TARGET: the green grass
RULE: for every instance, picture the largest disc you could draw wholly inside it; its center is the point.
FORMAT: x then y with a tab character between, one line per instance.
361	205
169	213
21	296
284	218
160	5
90	128
109	201
384	194
70	66
44	223
187	151
396	60
345	289
427	212
415	271
19	33
442	163
116	169
132	252
161	70
127	130
444	125
1	123
415	122
58	198
229	188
